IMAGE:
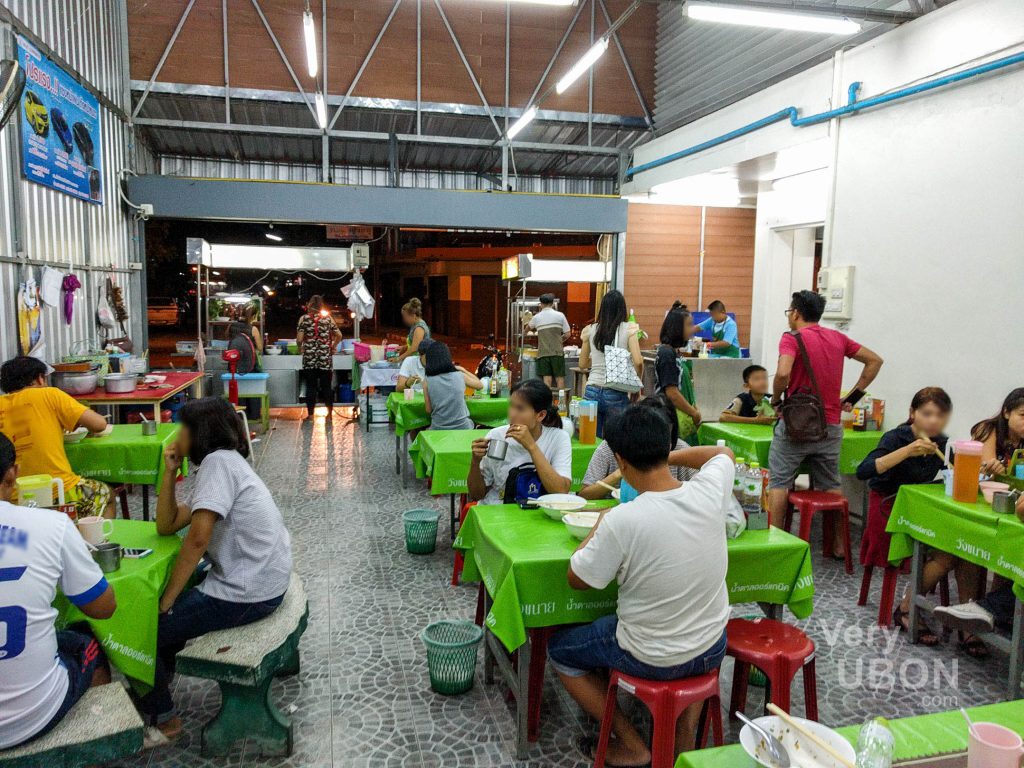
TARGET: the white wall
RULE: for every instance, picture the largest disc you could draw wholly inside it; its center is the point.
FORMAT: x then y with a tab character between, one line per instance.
924	197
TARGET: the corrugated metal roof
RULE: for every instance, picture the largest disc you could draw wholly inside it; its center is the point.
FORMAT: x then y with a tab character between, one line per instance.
300	149
702	67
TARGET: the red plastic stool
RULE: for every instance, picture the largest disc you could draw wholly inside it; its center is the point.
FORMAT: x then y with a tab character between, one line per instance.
807	503
120	492
666	700
780	651
459	558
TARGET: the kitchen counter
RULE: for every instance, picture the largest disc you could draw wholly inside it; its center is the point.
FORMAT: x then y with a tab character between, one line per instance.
716	381
284	384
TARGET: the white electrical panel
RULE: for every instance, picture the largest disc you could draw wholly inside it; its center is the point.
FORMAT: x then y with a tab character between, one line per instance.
836	285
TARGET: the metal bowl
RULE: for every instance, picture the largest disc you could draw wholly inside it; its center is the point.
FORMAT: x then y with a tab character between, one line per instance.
75	383
120	383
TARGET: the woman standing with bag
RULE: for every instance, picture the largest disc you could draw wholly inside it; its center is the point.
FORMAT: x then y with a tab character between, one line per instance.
611	330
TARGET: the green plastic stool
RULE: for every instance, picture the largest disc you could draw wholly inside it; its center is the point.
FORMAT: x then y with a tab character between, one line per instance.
421	530
451	655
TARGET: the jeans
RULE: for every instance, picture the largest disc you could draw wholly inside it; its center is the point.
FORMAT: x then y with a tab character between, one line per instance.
589	647
319	386
610	403
194	614
1000	602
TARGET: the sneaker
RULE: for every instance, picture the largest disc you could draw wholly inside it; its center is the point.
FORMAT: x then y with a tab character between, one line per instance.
969	617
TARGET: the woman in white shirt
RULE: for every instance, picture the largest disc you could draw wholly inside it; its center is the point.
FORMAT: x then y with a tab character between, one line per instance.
411	373
610	329
538	459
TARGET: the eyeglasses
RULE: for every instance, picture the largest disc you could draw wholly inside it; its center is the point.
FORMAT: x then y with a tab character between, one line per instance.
787	311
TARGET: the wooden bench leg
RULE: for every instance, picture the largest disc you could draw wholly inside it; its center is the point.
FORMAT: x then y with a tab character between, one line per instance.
290	666
247	712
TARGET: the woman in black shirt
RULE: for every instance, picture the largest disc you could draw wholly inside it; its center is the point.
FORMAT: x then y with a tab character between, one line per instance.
673	376
907	455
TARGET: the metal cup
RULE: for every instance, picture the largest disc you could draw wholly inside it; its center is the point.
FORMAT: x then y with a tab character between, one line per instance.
107	556
149	428
496	449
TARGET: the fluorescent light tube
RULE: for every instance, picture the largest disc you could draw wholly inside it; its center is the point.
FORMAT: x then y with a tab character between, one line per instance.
309	31
272	236
542	2
780	19
526	118
581	66
321	110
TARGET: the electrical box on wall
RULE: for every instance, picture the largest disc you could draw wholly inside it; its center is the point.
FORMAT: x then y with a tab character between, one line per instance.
836	285
360	255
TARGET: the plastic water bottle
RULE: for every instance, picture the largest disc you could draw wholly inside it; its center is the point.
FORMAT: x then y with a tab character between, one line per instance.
503	381
752	482
737	483
875	744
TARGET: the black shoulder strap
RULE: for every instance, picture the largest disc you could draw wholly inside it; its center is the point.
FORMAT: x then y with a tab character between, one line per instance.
807	363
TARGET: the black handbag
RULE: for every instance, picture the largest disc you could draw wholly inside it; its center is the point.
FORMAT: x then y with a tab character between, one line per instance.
803	412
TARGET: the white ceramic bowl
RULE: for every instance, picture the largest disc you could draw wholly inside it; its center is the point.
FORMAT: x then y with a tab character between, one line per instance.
555	505
155	379
579	524
76	436
802	752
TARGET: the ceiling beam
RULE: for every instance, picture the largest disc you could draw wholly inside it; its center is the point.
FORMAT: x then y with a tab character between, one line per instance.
163	56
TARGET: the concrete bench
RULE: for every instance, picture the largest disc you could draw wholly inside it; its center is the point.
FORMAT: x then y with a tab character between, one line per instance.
102	726
244	661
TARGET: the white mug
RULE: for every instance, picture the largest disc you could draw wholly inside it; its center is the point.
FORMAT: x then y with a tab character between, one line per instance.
95	529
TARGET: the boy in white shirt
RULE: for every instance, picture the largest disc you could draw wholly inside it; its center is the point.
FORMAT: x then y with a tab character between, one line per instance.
43	672
667	550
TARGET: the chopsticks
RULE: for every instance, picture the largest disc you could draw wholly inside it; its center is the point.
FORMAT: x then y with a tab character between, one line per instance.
938	453
810	735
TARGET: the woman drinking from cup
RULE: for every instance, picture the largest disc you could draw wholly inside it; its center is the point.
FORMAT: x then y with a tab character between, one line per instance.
908	455
530	456
444	388
233	521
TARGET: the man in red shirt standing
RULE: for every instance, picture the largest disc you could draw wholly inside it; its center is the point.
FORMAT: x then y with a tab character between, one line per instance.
827	351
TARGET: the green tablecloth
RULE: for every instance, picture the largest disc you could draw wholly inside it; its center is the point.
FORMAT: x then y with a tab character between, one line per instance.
522	557
129	636
412	414
444	456
916	737
972	532
124	456
754	441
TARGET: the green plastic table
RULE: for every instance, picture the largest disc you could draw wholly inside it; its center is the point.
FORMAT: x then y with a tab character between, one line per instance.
924	517
754	441
129	636
521	557
124	456
942	733
411	415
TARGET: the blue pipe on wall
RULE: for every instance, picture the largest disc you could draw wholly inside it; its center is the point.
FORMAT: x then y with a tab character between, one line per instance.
852	107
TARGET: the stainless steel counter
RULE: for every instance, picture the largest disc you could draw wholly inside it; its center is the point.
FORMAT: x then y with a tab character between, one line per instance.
285	382
716	381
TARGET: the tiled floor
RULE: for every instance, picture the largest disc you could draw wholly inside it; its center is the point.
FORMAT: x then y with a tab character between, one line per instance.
363	698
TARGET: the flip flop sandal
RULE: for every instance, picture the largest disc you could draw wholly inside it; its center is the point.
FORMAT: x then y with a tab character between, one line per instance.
975	648
587	747
925	636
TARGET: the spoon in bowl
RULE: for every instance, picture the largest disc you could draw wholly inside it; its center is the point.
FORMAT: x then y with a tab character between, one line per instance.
776	752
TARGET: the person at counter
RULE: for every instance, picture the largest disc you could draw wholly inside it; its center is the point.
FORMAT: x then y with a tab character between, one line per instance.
444	387
753	405
552	329
35	417
610	329
412	316
317	335
672	374
725	335
826	351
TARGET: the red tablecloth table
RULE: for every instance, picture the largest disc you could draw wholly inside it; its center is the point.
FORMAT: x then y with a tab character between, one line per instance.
154	395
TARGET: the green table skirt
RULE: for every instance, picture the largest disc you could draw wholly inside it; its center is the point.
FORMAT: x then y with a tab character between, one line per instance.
123	456
129	636
972	532
916	737
753	441
522	558
412	414
445	455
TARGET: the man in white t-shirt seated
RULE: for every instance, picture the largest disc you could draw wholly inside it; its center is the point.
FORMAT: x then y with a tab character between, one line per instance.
43	672
667	550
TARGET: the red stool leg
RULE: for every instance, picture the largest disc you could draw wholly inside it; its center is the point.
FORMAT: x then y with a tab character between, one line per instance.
788	523
780	678
865	586
663	739
701	737
535	688
715	713
844	516
888	596
606	721
740	680
806	520
828	533
122	496
811	690
479	619
459	558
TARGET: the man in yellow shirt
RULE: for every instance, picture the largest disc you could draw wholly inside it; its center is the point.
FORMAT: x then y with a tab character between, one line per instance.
35	416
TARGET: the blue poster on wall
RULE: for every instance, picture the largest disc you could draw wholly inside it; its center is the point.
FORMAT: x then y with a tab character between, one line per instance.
60	128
